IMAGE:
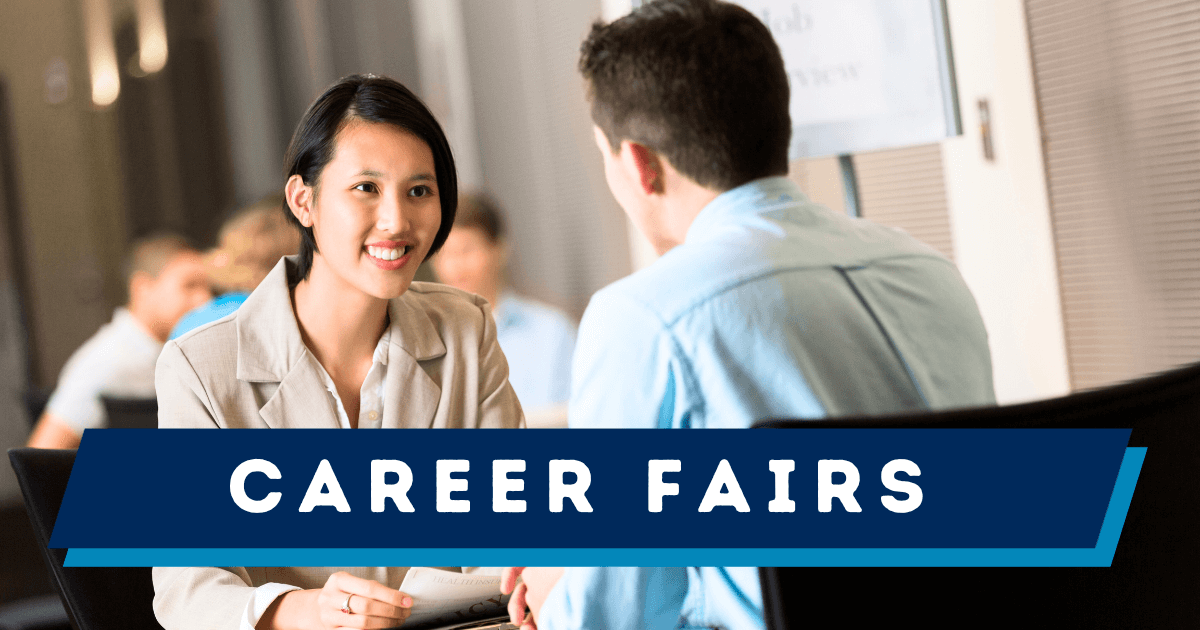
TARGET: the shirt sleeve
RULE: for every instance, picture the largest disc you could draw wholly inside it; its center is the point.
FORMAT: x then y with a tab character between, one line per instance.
260	600
84	378
76	398
187	598
629	370
616	598
192	598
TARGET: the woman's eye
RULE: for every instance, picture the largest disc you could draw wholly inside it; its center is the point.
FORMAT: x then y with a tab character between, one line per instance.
420	191
367	187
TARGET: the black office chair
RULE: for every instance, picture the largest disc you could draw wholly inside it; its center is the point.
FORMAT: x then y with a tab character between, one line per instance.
1154	580
95	598
131	413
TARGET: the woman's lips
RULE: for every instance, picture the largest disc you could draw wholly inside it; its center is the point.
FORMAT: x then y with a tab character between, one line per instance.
389	256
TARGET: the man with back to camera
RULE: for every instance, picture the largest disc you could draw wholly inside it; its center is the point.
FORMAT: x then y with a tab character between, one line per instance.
762	305
165	278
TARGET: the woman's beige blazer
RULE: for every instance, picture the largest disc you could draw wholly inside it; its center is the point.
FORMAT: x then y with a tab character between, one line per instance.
251	369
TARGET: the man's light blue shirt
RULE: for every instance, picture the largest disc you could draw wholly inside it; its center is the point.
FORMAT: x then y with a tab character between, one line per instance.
538	341
772	307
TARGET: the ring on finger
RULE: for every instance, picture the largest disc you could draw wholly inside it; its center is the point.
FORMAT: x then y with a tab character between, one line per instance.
346	605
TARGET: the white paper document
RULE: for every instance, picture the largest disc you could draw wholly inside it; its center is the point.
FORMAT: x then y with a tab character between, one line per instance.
444	598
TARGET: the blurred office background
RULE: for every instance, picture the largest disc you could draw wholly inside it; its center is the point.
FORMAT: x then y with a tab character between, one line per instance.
1071	202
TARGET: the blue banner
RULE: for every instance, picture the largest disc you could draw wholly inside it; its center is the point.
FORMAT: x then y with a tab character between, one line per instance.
827	497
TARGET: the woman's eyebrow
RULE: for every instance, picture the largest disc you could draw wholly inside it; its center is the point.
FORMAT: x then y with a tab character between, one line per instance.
419	177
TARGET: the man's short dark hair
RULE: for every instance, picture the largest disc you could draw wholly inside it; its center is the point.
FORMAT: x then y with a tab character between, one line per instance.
480	211
700	82
150	254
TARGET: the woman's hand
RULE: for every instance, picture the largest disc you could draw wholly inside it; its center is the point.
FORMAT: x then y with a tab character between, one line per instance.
371	605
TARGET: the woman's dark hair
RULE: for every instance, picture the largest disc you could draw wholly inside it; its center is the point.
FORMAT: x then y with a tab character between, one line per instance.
375	99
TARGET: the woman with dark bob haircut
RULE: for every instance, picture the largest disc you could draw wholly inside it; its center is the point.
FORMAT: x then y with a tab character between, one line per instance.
339	336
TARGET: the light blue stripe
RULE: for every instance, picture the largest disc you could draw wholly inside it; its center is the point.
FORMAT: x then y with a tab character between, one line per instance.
1122	496
590	557
1100	556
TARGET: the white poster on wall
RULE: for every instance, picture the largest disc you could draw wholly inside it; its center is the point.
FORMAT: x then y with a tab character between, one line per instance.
864	74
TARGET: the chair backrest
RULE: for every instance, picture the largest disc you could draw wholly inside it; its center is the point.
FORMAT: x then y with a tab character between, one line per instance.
1155	575
95	598
131	413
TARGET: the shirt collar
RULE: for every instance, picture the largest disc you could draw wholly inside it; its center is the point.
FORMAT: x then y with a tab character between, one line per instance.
381	349
751	198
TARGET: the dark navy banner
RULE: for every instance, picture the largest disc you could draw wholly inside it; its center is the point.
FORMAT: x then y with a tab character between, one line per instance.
584	497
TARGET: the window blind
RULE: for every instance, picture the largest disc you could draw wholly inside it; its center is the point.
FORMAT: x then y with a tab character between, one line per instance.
1118	86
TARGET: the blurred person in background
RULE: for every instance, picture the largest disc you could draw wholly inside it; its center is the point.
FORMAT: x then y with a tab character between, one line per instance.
537	338
165	279
249	245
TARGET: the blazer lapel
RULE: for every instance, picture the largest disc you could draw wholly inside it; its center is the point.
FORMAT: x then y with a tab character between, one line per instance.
411	396
301	401
270	350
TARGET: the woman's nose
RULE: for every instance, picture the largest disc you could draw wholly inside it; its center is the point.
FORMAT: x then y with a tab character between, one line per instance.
390	215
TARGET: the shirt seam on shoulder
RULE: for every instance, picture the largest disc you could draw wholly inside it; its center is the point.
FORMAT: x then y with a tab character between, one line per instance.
685	363
733	284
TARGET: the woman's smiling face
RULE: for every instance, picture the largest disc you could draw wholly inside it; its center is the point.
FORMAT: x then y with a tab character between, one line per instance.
375	211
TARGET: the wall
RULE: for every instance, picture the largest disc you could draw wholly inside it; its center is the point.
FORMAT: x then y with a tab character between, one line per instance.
999	210
68	192
567	234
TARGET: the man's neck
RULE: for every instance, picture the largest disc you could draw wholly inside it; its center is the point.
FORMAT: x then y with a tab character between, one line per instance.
681	203
156	330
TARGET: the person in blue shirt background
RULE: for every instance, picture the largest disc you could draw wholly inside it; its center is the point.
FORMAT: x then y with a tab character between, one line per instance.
537	338
763	304
251	241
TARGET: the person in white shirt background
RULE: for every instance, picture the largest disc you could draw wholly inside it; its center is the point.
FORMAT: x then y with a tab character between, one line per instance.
537	338
165	278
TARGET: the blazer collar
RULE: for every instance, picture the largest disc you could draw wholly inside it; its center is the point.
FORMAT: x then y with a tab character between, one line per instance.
268	338
269	342
270	349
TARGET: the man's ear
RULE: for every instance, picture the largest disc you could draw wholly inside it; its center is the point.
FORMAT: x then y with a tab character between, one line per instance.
646	164
299	199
